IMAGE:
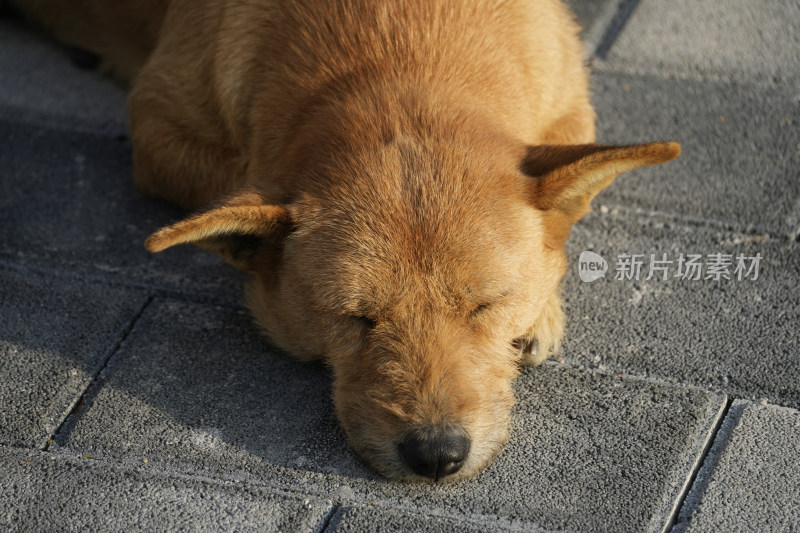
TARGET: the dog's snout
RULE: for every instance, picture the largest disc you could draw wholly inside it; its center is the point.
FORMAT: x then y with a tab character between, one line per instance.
435	454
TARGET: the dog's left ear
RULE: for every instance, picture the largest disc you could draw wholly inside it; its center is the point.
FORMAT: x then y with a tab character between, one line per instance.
567	178
236	230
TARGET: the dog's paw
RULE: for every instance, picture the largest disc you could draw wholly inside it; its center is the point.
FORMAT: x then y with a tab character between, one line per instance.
543	339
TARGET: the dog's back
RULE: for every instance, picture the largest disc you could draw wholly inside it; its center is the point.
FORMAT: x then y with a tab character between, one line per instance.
500	55
244	73
247	75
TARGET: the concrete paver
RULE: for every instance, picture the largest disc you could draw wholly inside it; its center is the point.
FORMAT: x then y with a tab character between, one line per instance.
200	384
751	479
196	386
70	199
40	85
55	336
740	164
739	336
385	519
727	39
48	492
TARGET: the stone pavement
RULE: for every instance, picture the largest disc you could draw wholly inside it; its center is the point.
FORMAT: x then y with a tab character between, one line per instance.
135	393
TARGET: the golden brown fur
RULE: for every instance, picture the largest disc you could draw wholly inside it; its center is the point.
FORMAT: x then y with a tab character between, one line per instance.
398	176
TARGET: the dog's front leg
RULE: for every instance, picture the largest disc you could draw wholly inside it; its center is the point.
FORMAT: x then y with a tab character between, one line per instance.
543	338
172	164
182	151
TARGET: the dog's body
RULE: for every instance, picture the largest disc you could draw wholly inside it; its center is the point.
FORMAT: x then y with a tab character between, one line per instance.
398	176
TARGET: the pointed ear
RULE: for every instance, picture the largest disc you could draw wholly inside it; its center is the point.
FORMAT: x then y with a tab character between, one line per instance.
236	230
569	177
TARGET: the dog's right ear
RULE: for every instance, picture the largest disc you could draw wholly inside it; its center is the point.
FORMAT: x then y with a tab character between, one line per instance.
236	230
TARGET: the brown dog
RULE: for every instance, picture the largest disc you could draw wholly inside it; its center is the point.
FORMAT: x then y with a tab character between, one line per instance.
398	176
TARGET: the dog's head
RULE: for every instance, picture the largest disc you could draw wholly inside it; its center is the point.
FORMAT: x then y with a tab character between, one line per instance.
413	268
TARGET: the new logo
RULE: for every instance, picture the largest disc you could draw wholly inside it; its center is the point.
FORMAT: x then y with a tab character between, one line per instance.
591	266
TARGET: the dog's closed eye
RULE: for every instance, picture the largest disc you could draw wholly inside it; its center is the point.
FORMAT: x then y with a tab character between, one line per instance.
479	309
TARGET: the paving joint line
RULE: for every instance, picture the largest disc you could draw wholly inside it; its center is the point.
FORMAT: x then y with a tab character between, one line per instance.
690	483
165	469
329	518
694	221
614	29
734	393
499	523
78	403
662	72
616	371
89	274
117	129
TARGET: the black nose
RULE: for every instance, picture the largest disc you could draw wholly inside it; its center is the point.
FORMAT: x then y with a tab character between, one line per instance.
435	453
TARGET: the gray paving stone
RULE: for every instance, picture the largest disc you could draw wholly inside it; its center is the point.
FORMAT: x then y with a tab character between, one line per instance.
47	492
67	197
40	84
385	519
751	479
741	149
729	39
196	386
736	336
66	187
200	384
54	337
